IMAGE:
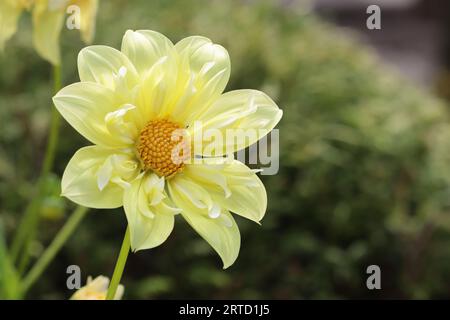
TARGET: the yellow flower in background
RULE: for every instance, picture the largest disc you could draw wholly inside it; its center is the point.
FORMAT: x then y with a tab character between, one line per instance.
10	11
96	290
48	21
130	103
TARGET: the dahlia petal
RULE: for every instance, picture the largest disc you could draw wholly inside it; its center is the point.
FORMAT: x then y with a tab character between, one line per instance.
156	93
9	17
146	231
47	26
204	71
245	115
104	65
88	9
144	48
222	232
80	180
233	186
96	289
197	195
85	105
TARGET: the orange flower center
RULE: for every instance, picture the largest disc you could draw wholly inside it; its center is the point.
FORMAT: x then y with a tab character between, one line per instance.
162	147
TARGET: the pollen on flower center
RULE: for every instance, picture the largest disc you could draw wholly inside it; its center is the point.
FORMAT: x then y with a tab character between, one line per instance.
162	148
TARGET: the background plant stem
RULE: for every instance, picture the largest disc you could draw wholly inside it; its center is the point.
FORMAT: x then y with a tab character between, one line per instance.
53	248
120	265
52	142
30	219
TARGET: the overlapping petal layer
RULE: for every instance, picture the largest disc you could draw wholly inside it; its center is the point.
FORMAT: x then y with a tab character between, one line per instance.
95	177
93	110
149	213
232	185
211	222
235	121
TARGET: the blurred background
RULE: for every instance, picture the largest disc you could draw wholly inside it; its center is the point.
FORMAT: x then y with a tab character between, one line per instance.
364	152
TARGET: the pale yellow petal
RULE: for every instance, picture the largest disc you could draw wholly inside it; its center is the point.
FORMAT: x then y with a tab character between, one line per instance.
96	289
219	230
156	61
106	66
204	71
145	48
150	225
89	108
233	186
240	118
88	15
119	292
80	181
156	92
9	16
47	25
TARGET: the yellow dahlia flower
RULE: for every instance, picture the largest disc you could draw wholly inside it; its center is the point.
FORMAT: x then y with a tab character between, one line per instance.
131	104
48	21
96	290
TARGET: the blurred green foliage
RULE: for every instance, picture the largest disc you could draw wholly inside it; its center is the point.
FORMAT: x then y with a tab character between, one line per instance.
364	176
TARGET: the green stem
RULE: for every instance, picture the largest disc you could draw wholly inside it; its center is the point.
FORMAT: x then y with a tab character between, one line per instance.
25	258
120	265
22	230
52	142
31	216
53	248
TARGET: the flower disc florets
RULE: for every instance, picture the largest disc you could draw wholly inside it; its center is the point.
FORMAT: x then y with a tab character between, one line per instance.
162	147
